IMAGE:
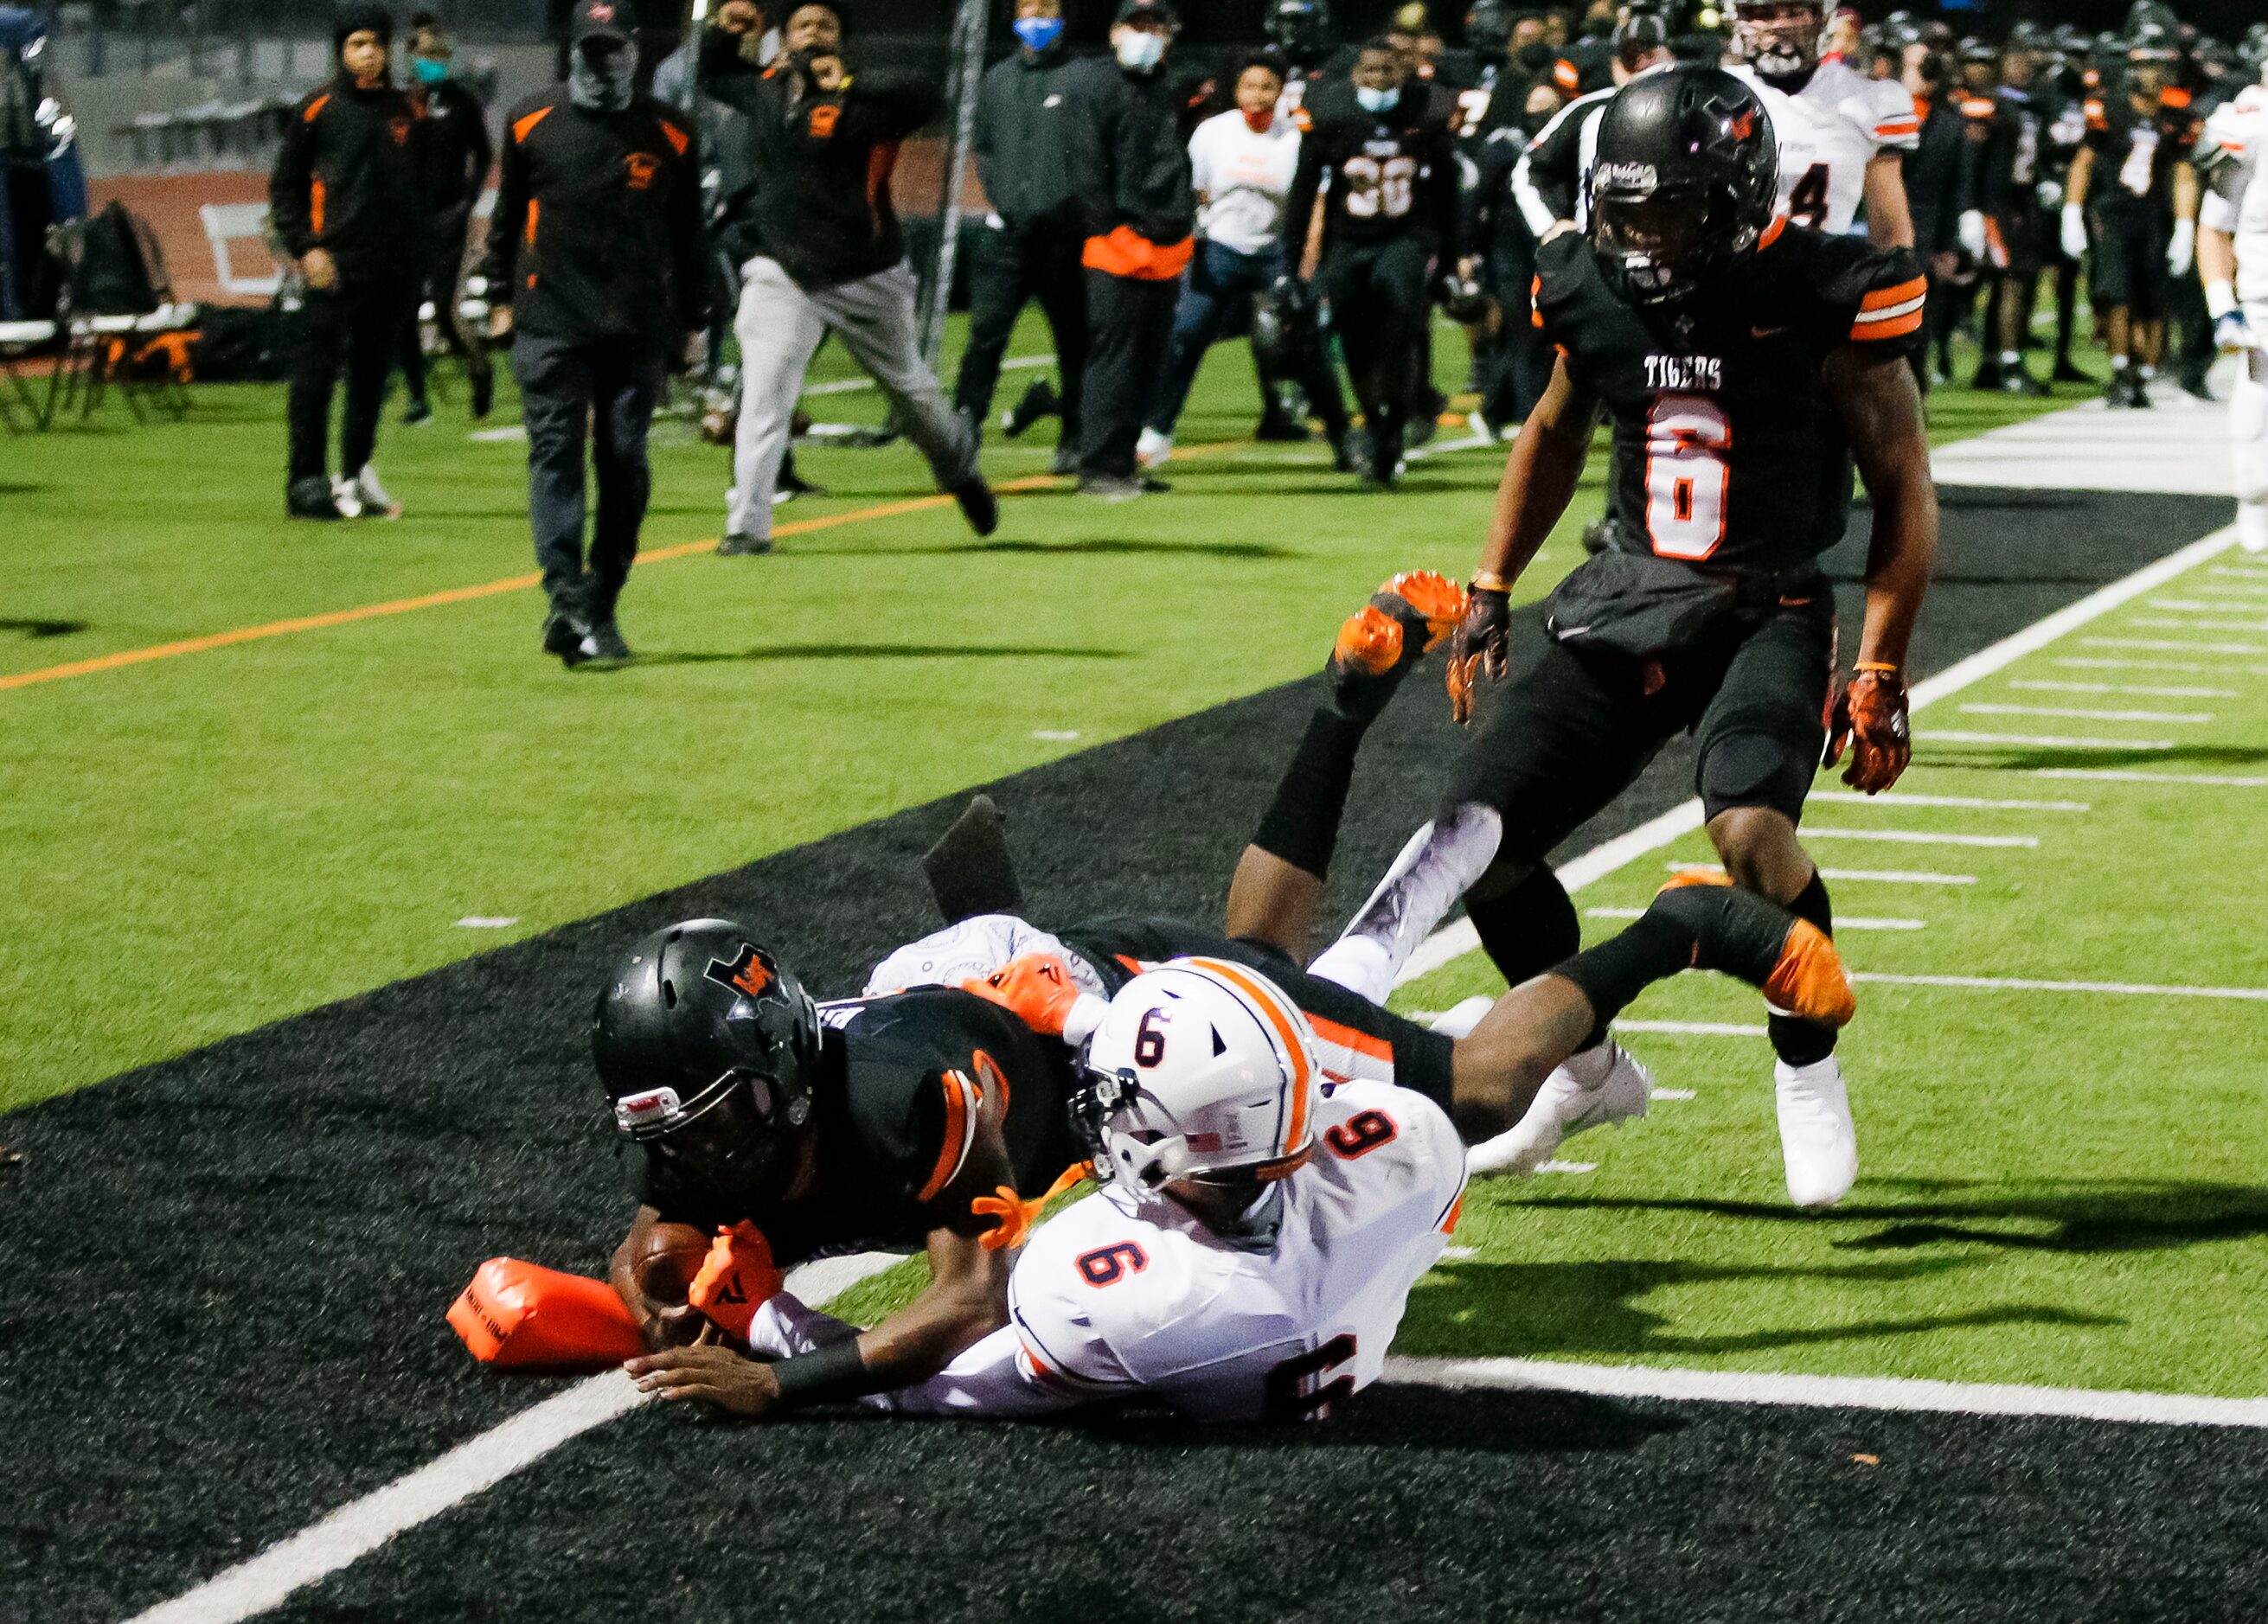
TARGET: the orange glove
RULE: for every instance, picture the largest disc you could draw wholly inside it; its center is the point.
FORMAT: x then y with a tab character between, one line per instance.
1036	988
1016	1214
1871	714
736	1279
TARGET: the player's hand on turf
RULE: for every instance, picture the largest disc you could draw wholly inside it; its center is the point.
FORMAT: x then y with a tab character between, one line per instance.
1870	718
1478	646
712	1374
1036	988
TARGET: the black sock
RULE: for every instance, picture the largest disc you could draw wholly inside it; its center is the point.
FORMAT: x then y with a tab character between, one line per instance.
1302	824
1798	1042
1528	929
1654	947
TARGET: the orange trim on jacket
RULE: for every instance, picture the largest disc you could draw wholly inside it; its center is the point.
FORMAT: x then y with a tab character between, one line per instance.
1127	253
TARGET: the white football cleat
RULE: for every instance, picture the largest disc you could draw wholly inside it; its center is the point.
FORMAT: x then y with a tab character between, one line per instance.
346	496
1459	1022
1434	870
1816	1139
1597	1087
372	497
1153	448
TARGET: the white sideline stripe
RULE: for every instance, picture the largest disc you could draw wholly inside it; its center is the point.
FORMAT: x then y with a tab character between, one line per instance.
1918	837
2051	741
1974	803
2139	690
1841	924
2073	713
360	1526
1888	877
2172	645
2110	774
1996	983
1690	1028
1857	1392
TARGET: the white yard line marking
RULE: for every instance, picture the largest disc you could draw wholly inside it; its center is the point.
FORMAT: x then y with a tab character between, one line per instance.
2110	774
2073	713
1972	803
853	386
1888	877
1558	1166
487	921
2013	983
2170	645
2045	741
1055	735
1695	1029
2136	690
2168	623
1671	1093
360	1526
1918	837
2233	572
2200	606
1860	1393
2119	665
1841	923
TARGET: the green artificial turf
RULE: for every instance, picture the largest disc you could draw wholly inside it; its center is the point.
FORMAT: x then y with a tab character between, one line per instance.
261	828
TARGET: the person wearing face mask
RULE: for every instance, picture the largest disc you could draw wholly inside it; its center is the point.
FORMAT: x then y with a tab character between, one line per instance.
345	201
596	269
457	154
1031	244
820	250
1139	211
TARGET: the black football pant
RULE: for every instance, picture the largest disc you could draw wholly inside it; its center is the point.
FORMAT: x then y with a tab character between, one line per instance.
613	388
1012	264
443	270
1130	320
355	327
1519	369
1379	310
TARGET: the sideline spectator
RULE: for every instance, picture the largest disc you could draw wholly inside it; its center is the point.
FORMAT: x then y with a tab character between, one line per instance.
345	200
820	249
595	261
1138	210
458	153
1030	248
1241	165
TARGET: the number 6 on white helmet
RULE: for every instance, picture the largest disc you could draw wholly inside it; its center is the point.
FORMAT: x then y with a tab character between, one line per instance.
1202	1069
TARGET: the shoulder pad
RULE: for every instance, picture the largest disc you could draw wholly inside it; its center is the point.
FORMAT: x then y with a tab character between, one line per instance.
1880	291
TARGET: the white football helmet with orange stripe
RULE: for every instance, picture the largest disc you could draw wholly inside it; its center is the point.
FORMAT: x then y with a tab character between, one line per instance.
1202	1069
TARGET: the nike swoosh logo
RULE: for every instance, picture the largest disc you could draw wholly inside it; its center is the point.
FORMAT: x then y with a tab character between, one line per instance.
1766	331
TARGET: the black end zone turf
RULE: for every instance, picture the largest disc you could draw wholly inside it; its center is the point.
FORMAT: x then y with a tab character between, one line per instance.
220	1308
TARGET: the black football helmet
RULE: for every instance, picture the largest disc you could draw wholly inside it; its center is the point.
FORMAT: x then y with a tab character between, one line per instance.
1488	30
708	1047
1301	29
1684	182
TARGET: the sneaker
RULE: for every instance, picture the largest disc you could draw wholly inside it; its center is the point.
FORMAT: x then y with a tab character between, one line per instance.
1601	1087
1039	401
1818	1145
313	498
978	505
564	634
1380	643
375	502
1109	488
791	484
1458	1023
2137	390
738	546
1439	863
346	496
1152	449
604	646
415	413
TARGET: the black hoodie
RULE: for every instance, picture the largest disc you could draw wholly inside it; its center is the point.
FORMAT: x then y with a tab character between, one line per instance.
347	179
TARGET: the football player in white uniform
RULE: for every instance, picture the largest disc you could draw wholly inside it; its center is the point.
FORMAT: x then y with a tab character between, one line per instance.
2233	255
1843	136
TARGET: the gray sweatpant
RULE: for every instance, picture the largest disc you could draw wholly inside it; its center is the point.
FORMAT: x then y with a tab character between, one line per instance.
780	324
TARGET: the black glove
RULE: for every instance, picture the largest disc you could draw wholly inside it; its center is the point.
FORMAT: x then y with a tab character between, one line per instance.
1478	646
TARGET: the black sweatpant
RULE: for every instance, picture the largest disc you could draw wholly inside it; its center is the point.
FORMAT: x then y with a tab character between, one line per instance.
614	389
1016	263
442	271
1130	320
1379	311
355	326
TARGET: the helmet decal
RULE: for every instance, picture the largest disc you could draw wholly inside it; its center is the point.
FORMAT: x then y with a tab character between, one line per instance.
750	972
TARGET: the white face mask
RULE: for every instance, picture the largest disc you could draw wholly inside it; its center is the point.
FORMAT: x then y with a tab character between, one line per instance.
1372	101
1139	49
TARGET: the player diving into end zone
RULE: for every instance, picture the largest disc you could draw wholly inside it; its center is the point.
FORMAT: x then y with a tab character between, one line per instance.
1268	1209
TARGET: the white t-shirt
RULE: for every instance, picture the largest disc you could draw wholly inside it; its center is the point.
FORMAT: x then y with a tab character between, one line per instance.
2236	201
1829	132
1245	179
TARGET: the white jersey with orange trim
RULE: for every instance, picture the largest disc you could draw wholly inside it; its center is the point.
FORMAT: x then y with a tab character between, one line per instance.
2236	193
1828	133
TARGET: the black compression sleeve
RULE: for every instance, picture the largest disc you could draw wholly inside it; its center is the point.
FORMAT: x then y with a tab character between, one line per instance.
838	1370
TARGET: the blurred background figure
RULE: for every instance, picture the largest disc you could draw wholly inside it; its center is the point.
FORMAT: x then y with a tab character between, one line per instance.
1131	174
597	271
347	200
457	156
1027	108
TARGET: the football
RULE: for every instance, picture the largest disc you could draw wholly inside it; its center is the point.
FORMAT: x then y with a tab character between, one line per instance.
671	1258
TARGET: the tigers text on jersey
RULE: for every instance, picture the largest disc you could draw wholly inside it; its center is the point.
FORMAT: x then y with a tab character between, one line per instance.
1116	1295
1828	133
2236	181
1726	448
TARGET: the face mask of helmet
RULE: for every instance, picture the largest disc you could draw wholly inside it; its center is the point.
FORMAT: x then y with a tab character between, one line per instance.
1039	32
1780	42
1139	49
603	76
1372	101
1658	245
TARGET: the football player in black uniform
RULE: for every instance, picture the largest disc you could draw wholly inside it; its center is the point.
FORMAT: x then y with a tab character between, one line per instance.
1745	364
1381	155
2011	216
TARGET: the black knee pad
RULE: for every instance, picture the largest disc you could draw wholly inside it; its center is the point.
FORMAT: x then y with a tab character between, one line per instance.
1757	770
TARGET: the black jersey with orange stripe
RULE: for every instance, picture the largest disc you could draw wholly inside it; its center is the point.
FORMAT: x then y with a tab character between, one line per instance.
1727	451
895	1105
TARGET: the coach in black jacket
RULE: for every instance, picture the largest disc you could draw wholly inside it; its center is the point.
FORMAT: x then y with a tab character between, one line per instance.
344	199
595	265
1131	171
457	156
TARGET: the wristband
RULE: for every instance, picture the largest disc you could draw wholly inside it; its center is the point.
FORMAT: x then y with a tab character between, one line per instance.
1489	581
2219	299
1877	665
838	1370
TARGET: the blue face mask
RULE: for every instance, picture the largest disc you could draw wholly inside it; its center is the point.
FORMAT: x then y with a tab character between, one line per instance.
428	70
1375	101
1039	32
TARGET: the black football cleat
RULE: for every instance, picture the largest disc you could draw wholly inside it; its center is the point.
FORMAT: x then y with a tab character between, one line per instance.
312	499
483	392
1383	641
605	645
978	505
566	636
1039	401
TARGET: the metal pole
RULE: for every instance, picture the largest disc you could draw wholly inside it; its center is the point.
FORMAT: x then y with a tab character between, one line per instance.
967	68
